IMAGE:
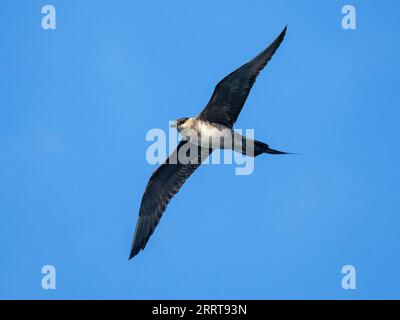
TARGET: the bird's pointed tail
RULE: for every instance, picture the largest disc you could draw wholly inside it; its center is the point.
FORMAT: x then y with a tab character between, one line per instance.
261	147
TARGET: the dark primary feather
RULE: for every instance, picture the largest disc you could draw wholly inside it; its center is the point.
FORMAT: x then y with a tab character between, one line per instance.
164	183
231	93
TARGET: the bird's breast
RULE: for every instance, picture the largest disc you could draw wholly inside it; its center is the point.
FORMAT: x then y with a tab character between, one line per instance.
206	134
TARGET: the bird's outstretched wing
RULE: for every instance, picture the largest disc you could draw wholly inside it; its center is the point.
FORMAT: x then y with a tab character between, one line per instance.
231	93
164	183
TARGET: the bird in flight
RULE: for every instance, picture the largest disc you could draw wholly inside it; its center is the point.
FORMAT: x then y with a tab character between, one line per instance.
215	121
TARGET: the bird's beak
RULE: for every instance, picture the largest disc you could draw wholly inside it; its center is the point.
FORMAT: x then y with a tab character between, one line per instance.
173	125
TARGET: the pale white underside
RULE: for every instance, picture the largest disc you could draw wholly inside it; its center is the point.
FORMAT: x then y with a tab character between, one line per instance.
204	133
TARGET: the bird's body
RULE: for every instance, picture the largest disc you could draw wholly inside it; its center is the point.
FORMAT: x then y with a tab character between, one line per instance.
211	129
207	134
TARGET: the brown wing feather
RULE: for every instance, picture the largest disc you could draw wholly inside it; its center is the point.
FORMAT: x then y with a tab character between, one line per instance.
164	183
231	93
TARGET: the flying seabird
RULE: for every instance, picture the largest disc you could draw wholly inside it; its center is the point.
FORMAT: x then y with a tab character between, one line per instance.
215	121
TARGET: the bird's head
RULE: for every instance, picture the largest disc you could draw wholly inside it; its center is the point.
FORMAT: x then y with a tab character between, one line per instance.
178	123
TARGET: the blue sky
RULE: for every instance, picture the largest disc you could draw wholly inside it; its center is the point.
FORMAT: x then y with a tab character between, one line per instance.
78	101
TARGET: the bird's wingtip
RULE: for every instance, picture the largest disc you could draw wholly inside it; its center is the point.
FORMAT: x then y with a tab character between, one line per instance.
132	254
